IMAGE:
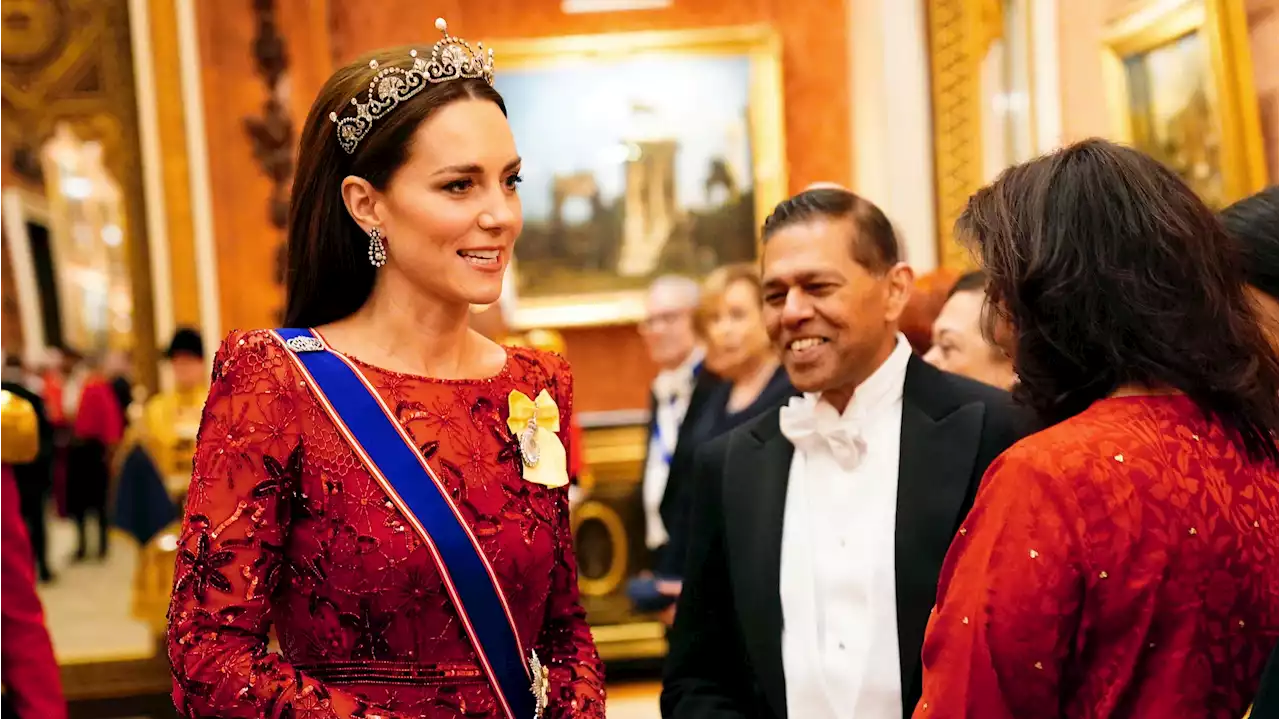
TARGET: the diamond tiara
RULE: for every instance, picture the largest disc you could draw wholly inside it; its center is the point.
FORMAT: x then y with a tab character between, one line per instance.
452	58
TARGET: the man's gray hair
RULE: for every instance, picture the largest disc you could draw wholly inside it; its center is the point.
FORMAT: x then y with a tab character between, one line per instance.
681	289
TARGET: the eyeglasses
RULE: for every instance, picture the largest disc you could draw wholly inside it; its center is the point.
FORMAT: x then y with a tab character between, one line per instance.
662	319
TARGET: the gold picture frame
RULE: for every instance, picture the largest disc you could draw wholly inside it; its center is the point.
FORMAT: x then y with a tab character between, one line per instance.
556	296
1180	87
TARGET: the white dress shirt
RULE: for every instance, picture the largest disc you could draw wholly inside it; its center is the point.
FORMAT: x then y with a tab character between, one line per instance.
839	605
671	390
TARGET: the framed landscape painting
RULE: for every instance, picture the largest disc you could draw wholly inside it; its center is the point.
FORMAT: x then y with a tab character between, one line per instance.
644	154
1181	91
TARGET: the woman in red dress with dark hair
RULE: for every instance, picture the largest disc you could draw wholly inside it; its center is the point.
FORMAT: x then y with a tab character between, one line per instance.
443	585
1123	562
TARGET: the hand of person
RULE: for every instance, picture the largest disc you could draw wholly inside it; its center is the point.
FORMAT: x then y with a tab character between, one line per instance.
669	587
668	615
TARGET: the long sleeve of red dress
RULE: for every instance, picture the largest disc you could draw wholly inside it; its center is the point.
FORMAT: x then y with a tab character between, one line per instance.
577	677
285	530
27	664
1120	564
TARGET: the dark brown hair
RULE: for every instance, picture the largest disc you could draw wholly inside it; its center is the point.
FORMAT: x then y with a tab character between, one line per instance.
1255	226
874	243
1111	272
330	275
975	281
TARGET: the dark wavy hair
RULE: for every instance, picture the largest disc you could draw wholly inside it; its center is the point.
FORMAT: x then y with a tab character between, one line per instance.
329	275
1254	222
1111	272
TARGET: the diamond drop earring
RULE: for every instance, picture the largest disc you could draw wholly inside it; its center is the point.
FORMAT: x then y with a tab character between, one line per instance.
377	250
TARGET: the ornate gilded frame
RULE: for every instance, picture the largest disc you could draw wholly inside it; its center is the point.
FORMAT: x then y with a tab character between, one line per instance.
765	116
1223	23
960	34
73	66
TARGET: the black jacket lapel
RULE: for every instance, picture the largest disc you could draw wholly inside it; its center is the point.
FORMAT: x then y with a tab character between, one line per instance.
939	445
755	493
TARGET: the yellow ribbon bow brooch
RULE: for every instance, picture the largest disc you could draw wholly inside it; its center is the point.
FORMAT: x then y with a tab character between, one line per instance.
535	422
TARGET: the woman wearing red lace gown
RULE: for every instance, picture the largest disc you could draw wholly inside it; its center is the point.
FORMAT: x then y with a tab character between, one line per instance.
1123	562
404	213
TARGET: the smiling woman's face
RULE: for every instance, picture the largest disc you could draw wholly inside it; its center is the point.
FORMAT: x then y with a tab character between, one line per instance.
451	215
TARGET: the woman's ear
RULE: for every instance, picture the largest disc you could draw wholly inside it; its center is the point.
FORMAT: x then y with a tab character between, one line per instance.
362	202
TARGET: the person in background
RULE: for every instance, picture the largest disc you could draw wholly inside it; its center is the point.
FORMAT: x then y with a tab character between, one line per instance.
29	676
1121	563
117	367
34	479
738	352
57	367
170	420
1254	224
54	374
959	344
155	471
97	427
669	334
928	294
818	528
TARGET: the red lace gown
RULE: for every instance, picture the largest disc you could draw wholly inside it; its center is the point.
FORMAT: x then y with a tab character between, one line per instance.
285	530
1120	564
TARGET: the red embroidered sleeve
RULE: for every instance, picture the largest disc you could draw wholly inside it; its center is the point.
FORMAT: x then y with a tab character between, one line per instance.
1009	600
247	465
565	644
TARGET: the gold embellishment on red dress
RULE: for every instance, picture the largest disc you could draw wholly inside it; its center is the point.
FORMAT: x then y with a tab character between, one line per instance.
541	687
535	422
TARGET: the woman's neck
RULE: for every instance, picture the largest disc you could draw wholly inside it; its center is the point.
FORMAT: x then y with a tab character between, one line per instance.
748	385
400	328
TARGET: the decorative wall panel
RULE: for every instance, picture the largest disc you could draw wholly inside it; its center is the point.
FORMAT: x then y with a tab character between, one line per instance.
960	31
70	61
247	240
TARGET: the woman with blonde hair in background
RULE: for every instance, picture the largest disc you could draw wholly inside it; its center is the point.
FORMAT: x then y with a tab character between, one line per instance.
753	382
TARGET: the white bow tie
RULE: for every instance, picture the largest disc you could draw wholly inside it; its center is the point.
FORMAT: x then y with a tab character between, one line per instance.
810	425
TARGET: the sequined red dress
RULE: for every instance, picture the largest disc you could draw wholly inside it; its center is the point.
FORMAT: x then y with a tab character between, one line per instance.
286	531
1120	564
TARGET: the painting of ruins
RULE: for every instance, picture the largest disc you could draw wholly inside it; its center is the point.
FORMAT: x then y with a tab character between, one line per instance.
634	166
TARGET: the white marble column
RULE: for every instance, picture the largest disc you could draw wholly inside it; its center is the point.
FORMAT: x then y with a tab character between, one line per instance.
892	135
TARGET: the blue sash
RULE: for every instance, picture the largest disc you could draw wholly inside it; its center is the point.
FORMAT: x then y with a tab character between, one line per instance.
393	460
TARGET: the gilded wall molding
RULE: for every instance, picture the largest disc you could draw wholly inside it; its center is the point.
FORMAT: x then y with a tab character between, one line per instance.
271	133
960	33
70	61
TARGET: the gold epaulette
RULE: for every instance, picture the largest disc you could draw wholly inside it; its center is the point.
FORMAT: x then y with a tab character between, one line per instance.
19	429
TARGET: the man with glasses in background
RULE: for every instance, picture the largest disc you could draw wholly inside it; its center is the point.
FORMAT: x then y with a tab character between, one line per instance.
670	336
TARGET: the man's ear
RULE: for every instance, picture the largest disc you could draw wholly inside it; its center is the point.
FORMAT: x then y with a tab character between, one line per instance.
901	282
